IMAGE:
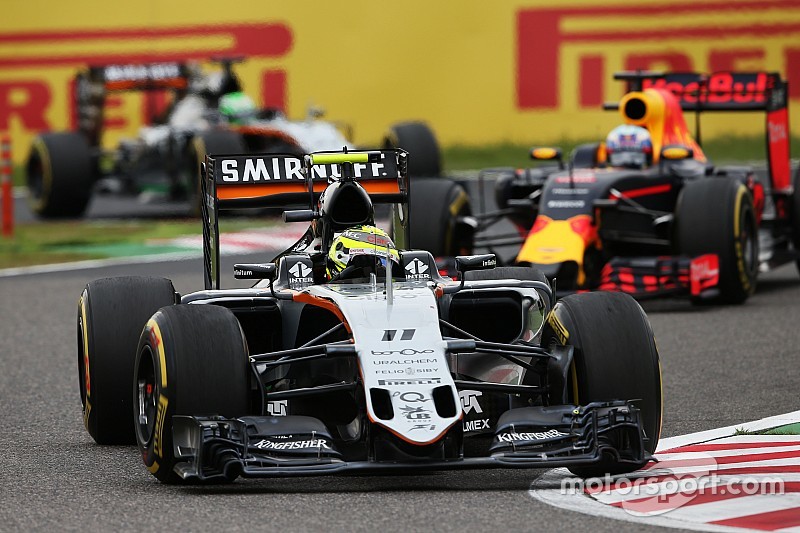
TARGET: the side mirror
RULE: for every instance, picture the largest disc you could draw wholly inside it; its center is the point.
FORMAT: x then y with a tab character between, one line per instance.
465	263
676	152
255	271
299	215
547	153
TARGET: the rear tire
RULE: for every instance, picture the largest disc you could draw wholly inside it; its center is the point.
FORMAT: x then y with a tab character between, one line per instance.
59	175
209	142
435	205
111	315
424	156
716	215
615	358
191	360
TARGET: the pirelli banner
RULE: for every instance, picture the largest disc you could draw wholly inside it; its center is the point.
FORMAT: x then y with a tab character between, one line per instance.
478	72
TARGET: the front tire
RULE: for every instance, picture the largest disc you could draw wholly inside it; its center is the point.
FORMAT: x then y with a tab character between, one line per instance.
59	175
111	315
615	358
716	215
191	360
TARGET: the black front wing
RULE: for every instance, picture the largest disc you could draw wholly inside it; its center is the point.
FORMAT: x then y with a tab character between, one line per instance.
216	448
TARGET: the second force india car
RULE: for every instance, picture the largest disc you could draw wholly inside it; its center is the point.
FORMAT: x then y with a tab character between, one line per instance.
661	221
208	113
352	354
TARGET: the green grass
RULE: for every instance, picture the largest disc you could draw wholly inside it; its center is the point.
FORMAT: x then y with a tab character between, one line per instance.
789	429
56	242
17	177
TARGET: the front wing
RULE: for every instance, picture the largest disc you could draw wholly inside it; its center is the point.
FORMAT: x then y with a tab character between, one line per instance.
216	448
647	277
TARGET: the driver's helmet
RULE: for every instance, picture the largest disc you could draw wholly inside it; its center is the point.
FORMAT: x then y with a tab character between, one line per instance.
237	108
361	248
629	146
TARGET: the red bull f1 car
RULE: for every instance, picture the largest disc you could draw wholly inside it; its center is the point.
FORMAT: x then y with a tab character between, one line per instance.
351	353
206	112
670	223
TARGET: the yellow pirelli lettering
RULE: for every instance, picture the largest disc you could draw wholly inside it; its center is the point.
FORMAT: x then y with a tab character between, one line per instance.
161	414
85	333
739	251
559	329
158	343
87	409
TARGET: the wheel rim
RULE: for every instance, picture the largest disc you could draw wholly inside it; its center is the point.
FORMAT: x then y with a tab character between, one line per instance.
146	395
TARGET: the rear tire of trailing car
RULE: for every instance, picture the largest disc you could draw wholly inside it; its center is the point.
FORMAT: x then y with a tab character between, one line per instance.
191	360
209	142
716	216
111	315
615	358
435	206
416	138
59	175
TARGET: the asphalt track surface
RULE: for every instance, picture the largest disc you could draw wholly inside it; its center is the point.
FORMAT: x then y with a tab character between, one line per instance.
109	206
721	366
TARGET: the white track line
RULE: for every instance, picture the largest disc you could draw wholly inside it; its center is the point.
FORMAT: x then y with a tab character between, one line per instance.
703	436
99	263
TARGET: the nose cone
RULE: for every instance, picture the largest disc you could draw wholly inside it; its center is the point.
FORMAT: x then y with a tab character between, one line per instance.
556	242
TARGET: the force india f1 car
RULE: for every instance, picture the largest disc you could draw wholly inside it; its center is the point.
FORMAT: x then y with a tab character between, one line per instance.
208	113
386	365
679	226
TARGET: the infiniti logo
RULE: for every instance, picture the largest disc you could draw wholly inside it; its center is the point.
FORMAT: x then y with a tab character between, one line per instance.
406	351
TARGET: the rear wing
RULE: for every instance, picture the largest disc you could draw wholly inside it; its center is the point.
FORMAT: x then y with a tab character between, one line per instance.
729	91
141	77
93	84
244	181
